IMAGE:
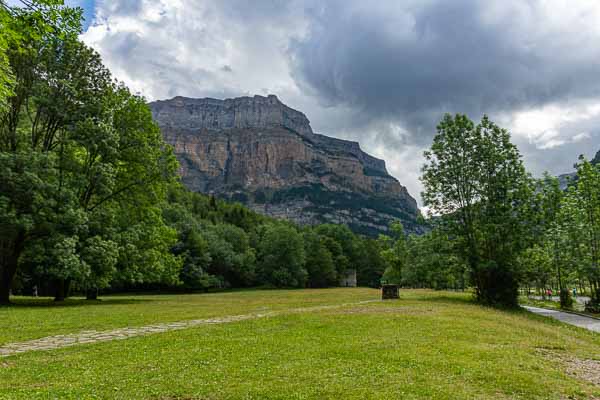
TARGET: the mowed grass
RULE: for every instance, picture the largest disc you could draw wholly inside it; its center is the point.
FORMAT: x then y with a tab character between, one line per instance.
427	345
32	318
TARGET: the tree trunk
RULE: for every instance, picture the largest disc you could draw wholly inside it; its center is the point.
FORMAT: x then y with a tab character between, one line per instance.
9	261
59	294
62	289
91	294
6	277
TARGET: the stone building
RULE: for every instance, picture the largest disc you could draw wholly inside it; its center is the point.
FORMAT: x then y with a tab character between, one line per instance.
348	279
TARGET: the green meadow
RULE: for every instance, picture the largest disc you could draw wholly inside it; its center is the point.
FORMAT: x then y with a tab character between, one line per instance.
426	345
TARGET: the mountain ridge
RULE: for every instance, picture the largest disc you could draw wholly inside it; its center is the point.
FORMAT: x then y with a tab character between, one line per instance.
260	152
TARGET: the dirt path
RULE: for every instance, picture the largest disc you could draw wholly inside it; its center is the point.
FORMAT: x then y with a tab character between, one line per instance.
85	337
581	321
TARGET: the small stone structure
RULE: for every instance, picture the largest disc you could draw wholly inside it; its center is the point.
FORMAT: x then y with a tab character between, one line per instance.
348	279
390	292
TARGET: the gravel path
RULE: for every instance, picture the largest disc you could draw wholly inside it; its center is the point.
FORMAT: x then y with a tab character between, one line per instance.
85	337
581	321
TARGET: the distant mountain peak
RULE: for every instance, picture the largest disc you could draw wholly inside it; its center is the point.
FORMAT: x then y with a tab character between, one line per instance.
241	112
260	152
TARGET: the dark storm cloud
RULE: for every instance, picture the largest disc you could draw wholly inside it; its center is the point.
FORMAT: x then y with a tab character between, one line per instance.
378	72
411	61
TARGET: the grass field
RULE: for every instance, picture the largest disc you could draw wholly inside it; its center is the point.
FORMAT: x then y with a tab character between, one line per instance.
426	345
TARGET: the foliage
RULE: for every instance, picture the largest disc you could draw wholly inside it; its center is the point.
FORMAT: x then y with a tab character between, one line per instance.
564	253
395	254
84	166
282	256
433	263
320	263
474	178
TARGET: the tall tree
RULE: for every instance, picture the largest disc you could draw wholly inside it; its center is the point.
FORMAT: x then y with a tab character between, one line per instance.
84	167
282	257
475	180
582	209
395	253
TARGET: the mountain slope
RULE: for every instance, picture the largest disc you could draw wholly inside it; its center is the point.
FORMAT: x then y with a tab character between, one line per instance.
260	152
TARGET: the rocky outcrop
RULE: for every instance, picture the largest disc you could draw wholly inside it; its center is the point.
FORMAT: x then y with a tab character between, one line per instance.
260	152
242	112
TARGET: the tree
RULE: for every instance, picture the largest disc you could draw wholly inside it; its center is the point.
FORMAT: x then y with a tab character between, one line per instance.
555	228
581	208
475	180
432	262
319	261
84	167
232	258
282	257
6	76
395	253
369	262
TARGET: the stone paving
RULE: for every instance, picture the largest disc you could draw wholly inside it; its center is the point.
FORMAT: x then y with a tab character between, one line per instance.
85	337
581	321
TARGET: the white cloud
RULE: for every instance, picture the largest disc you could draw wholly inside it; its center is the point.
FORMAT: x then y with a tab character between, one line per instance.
537	59
555	124
164	48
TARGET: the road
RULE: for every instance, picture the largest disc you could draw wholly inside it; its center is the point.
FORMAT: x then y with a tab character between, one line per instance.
592	324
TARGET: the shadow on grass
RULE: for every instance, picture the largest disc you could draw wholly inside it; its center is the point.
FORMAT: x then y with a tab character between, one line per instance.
50	303
458	298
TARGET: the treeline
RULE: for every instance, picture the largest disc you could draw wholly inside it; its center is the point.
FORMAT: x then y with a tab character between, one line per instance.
90	200
510	231
224	245
565	249
89	195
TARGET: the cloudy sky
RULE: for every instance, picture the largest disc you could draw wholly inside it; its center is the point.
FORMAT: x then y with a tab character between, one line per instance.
379	72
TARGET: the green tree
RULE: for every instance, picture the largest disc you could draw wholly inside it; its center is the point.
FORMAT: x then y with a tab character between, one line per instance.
282	257
475	180
84	167
536	264
581	208
395	253
369	262
319	261
432	262
232	257
6	76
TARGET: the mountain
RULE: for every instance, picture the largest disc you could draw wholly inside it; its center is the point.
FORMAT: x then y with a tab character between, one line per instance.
260	152
565	179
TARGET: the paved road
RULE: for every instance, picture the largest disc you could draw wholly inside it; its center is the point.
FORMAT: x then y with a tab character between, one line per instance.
581	321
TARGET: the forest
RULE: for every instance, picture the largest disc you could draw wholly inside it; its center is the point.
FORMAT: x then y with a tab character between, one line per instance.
90	200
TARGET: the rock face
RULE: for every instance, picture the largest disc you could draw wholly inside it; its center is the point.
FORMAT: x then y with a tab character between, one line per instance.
260	152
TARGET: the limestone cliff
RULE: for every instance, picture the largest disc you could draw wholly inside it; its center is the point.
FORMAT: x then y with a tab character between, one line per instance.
260	152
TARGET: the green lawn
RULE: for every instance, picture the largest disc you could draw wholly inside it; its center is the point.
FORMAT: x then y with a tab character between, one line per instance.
35	318
427	345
